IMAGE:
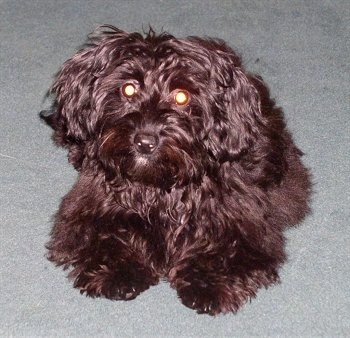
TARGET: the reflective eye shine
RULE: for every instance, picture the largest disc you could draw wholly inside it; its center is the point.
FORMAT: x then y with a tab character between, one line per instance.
129	90
181	97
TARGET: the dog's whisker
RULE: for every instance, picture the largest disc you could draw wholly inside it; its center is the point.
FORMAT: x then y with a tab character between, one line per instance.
106	138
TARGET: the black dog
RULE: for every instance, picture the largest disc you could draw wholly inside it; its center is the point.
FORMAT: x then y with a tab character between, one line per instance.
186	171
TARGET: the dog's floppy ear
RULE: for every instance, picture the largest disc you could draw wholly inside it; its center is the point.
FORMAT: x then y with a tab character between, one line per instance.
238	120
72	115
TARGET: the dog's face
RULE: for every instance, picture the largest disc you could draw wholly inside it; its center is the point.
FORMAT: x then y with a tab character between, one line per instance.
155	110
151	111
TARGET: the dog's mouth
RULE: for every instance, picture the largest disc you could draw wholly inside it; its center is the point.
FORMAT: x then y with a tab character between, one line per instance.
148	174
161	167
145	158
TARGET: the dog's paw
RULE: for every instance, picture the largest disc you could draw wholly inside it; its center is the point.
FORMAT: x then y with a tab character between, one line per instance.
200	297
211	298
125	282
211	293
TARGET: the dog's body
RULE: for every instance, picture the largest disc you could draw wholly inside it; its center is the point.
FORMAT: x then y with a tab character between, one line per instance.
186	171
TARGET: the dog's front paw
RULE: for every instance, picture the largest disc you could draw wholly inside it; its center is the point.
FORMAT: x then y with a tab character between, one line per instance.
125	282
201	297
213	293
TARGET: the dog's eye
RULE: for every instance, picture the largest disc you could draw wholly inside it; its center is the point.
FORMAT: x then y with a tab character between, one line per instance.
129	90
181	97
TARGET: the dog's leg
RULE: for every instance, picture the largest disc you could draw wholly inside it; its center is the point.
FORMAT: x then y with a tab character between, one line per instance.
224	279
106	250
218	273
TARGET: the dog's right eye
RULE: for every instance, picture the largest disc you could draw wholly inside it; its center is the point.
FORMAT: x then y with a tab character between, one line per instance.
181	97
129	90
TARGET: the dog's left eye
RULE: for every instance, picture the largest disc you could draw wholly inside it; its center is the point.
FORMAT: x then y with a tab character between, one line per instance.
181	97
129	90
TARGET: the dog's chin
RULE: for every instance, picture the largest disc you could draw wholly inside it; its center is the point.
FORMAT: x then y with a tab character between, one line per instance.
152	173
148	178
158	182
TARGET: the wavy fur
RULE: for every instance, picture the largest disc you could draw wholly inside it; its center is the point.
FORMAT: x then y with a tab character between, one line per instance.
207	209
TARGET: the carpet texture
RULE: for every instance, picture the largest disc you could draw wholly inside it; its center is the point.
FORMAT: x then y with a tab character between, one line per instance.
301	48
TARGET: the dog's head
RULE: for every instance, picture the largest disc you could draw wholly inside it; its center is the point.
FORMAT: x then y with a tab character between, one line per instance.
155	109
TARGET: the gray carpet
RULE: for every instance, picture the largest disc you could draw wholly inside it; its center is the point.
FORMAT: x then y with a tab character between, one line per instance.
301	48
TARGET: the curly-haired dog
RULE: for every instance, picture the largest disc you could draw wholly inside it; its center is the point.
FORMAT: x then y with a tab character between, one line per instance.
186	171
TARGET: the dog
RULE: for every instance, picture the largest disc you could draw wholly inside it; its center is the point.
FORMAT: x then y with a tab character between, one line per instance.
187	171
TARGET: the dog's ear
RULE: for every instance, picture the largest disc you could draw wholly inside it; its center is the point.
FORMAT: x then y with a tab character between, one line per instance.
72	116
247	126
238	119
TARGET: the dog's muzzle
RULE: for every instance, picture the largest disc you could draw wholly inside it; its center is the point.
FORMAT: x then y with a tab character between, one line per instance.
145	143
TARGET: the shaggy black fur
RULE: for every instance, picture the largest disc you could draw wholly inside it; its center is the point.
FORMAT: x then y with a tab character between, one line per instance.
186	171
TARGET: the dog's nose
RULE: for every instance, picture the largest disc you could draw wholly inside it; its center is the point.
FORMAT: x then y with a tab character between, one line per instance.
145	143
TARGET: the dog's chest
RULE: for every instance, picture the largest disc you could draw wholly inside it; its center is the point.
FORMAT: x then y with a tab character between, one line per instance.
154	206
